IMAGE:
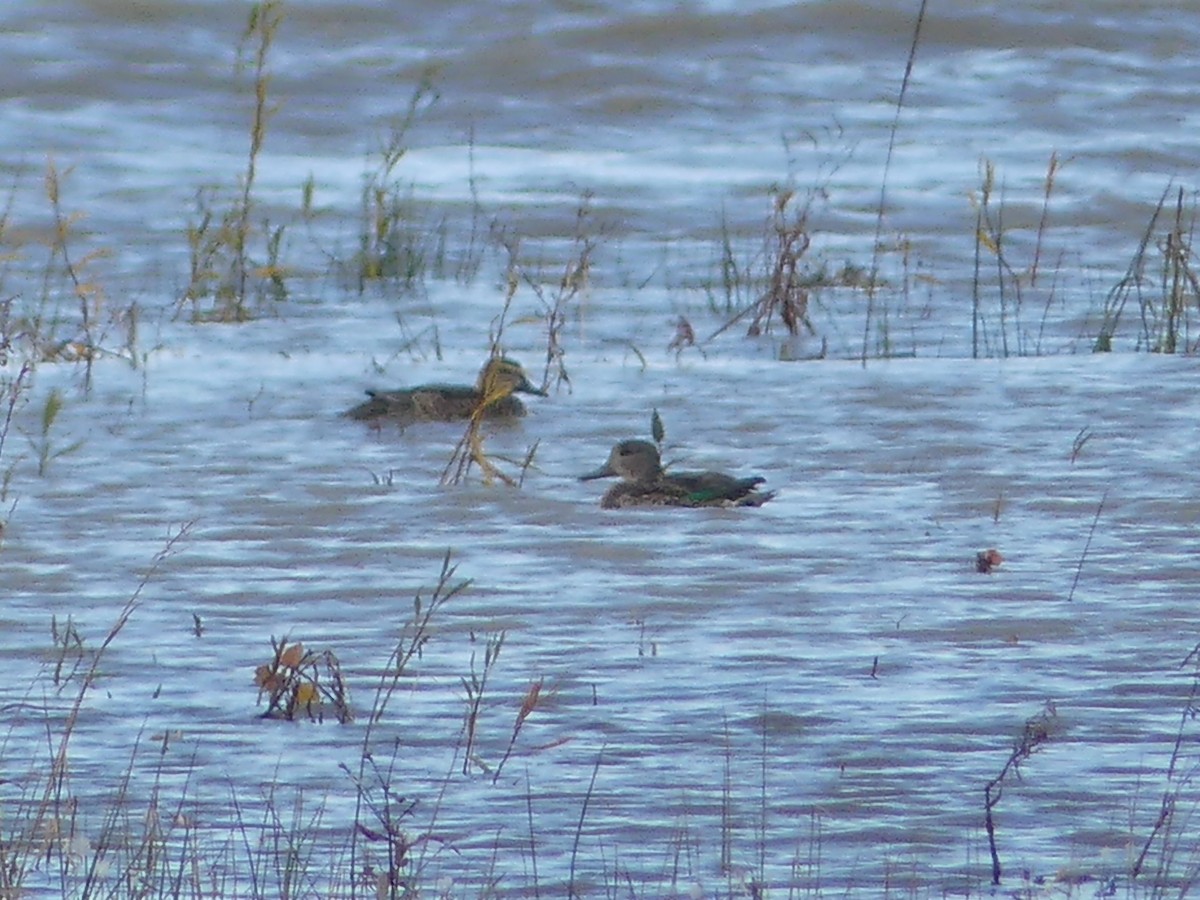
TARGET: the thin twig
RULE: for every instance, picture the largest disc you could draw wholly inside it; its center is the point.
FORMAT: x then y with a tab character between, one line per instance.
532	838
587	798
1167	807
1035	733
1083	556
887	165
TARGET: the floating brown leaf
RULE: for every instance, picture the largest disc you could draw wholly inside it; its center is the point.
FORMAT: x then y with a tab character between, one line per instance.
986	560
292	656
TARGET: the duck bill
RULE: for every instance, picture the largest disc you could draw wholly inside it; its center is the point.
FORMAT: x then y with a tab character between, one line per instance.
605	471
526	387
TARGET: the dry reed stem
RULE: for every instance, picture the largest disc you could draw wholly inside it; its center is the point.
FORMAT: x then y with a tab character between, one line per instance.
414	635
470	447
529	703
1035	733
587	799
1081	438
261	27
474	688
1172	792
44	828
533	857
88	294
887	165
1087	546
1052	169
13	391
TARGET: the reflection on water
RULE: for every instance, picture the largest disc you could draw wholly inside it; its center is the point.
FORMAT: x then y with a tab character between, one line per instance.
810	695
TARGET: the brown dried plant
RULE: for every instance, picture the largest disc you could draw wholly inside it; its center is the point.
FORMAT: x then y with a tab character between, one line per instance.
1017	282
784	297
530	702
302	683
474	686
1163	282
222	266
470	450
1036	732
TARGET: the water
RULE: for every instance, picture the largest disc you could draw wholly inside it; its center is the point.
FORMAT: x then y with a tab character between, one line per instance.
824	685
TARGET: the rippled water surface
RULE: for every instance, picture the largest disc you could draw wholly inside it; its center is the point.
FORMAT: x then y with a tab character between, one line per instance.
805	698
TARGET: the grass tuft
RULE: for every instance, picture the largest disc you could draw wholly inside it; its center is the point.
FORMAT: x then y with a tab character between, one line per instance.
224	274
392	242
43	443
1018	282
1161	281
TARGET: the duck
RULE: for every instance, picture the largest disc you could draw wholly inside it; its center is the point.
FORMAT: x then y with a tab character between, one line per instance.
491	397
644	482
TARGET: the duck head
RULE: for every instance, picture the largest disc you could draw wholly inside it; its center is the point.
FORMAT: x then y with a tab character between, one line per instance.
632	460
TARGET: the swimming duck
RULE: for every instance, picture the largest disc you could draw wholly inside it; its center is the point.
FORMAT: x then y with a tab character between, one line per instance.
644	483
493	392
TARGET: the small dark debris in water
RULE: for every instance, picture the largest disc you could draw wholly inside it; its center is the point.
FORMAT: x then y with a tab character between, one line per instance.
685	336
875	668
986	560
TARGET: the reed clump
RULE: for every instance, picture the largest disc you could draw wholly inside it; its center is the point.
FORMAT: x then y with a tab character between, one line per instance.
1021	280
67	316
780	284
233	259
778	288
88	293
1160	282
394	243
